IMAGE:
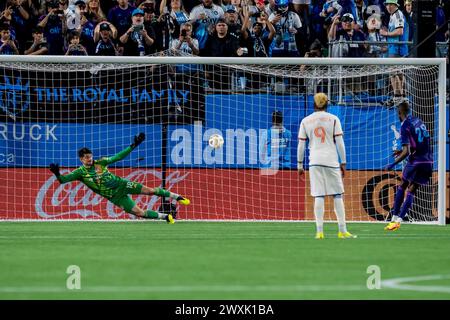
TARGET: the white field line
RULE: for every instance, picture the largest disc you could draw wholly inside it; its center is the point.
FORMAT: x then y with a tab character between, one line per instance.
402	284
186	288
395	284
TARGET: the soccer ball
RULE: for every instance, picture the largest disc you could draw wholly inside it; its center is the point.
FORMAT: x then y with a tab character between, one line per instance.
216	141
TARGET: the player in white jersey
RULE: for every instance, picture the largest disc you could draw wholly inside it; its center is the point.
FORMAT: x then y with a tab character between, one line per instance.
324	132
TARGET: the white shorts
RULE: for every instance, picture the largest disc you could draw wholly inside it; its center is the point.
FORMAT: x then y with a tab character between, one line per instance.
301	1
325	181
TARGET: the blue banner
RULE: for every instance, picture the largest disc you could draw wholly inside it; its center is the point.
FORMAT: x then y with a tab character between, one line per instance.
370	135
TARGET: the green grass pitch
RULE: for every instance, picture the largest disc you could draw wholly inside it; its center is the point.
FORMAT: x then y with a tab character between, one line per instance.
218	260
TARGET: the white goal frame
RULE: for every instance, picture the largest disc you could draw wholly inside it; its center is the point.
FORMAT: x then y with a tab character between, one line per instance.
439	62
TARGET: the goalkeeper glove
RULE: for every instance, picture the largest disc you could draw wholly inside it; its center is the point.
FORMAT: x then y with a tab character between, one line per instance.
54	167
138	140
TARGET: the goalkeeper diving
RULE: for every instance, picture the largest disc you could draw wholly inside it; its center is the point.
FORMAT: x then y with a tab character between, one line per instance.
96	176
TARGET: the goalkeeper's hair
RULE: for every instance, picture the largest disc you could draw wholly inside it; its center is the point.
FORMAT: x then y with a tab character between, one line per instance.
84	151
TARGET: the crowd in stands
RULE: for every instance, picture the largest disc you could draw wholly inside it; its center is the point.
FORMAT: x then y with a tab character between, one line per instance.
255	28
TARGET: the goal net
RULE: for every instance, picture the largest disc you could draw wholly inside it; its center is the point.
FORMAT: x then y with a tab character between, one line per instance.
50	107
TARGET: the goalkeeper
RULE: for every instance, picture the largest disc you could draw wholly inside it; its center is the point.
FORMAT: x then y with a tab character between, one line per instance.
96	176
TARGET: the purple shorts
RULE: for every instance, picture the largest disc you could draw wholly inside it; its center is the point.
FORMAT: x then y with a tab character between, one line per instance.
419	173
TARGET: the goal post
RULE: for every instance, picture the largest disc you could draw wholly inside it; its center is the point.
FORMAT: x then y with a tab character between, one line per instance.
50	106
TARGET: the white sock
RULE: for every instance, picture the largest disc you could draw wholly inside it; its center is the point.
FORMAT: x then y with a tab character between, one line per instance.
174	195
319	206
339	210
162	215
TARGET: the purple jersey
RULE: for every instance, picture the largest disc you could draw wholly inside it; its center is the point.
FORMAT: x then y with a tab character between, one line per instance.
414	133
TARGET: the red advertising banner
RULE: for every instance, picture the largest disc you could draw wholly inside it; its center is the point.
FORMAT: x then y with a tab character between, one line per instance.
214	194
243	194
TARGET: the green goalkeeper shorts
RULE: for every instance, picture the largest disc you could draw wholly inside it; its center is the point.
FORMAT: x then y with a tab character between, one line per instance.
121	198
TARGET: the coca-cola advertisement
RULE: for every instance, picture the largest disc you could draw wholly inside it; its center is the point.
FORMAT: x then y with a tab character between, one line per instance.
214	194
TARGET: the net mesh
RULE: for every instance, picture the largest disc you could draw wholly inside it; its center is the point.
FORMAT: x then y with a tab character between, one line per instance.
50	110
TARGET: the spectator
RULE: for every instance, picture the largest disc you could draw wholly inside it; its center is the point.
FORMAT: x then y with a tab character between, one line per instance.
271	7
348	6
87	28
142	4
75	47
240	5
373	34
409	19
107	5
177	11
138	39
315	50
120	16
94	12
237	4
18	16
104	45
34	10
261	7
7	46
185	42
204	17
221	43
347	33
54	28
329	10
318	28
301	7
260	37
360	8
286	23
12	32
394	34
232	20
171	20
396	30
157	27
440	21
39	46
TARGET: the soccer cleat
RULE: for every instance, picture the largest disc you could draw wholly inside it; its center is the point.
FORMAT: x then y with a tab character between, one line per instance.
184	201
170	219
392	226
346	235
319	235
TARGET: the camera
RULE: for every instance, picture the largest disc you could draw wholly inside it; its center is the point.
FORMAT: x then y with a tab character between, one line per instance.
138	27
282	9
183	33
149	8
244	51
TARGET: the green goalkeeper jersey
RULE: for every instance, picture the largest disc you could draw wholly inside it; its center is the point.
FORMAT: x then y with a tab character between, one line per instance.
97	177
